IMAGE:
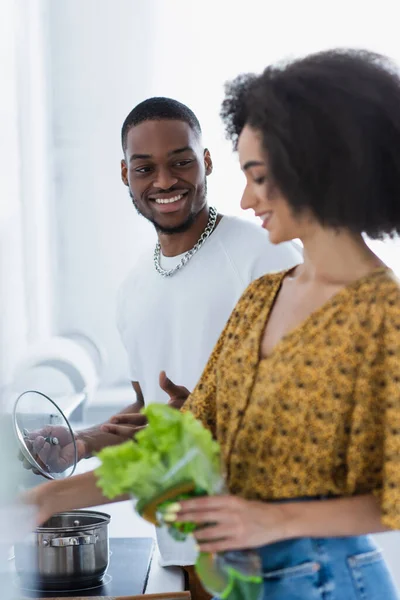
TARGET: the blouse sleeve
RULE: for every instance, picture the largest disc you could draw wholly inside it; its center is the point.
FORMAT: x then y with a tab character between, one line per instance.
202	401
389	493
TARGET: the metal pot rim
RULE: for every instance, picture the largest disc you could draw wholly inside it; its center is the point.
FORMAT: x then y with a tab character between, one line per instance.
104	519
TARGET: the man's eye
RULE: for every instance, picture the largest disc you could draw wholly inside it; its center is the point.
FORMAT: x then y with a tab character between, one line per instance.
143	170
183	163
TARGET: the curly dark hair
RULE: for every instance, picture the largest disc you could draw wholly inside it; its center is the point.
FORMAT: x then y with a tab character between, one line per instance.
330	125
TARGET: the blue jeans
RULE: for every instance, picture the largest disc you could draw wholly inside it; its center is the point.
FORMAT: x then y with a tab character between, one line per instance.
349	568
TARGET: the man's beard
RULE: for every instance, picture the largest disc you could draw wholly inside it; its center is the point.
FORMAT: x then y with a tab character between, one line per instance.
185	226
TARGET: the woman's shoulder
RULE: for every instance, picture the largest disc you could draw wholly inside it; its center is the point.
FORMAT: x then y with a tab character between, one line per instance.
261	288
260	293
375	302
381	288
390	284
388	293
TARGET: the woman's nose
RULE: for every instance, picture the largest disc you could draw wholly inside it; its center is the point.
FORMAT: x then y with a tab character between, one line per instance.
248	199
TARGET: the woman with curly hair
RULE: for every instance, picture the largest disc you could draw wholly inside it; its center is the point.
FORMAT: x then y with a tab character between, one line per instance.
302	390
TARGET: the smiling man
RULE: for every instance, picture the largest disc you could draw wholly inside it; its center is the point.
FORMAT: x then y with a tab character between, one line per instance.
178	297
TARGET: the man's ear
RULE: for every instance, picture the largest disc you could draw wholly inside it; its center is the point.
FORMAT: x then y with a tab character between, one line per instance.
124	172
208	162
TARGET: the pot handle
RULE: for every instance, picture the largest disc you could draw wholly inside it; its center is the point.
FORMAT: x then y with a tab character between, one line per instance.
77	540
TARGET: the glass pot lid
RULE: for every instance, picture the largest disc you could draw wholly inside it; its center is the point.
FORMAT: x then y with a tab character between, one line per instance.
44	435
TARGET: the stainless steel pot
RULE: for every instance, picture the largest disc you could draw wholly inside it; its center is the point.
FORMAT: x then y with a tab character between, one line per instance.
69	552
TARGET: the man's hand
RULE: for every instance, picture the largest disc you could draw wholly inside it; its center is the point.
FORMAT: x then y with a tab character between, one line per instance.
52	448
177	393
125	425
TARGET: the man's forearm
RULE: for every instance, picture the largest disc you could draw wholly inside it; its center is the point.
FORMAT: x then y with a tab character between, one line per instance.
339	517
94	439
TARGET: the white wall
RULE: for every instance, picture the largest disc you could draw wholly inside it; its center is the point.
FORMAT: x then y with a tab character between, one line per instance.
35	170
12	291
101	65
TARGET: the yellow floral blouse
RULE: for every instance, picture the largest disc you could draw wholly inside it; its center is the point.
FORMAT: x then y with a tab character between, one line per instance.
321	415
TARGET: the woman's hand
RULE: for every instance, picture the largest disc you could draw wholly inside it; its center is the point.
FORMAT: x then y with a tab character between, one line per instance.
80	491
236	523
42	499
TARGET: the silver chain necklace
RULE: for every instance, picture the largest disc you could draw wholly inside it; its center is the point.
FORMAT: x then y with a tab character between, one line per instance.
212	220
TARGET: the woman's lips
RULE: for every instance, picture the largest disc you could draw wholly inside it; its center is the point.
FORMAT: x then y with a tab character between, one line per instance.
265	218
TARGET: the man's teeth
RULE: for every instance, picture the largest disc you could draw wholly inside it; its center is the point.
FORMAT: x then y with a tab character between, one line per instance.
168	200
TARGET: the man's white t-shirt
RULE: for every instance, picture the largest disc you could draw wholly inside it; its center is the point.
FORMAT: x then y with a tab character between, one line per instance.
173	323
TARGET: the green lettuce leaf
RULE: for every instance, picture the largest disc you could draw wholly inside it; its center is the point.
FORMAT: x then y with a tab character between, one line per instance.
173	448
